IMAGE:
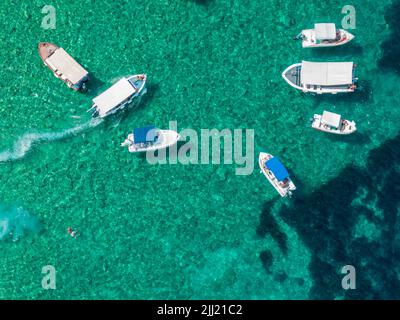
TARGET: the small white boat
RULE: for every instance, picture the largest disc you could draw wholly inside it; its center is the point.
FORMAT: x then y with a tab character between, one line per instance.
119	95
324	35
63	66
322	77
333	123
150	139
276	174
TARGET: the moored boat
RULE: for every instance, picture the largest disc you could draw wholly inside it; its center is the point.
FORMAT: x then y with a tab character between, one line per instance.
63	66
324	35
150	139
276	174
119	95
322	77
333	123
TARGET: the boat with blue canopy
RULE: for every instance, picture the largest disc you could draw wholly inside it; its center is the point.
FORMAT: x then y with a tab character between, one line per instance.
276	173
149	138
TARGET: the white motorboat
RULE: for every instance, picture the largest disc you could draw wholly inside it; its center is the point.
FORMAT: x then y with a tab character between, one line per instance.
150	139
119	95
322	77
276	174
324	35
333	123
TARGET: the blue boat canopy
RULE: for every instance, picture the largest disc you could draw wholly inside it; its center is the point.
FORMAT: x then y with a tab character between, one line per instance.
277	169
145	134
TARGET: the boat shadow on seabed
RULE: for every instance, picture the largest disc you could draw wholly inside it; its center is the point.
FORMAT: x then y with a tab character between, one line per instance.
161	156
94	85
363	93
350	50
357	138
327	220
203	2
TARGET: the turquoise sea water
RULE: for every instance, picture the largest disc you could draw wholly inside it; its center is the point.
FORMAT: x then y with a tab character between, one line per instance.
196	231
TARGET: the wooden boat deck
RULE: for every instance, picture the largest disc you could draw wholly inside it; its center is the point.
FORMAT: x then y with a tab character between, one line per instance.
46	49
63	65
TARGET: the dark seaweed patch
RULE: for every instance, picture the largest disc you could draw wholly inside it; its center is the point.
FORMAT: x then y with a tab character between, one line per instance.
266	260
203	2
268	225
325	220
391	47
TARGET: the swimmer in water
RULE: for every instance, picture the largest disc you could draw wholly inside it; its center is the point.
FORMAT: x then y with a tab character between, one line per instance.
71	232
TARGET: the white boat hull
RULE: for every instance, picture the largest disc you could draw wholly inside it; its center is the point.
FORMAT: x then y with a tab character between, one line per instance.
283	191
166	139
309	40
347	127
141	90
292	76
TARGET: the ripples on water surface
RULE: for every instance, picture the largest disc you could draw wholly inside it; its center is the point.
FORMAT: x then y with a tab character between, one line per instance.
198	231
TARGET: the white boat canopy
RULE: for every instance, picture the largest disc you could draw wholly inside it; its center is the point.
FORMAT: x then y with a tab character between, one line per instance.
327	73
331	119
113	96
325	31
63	63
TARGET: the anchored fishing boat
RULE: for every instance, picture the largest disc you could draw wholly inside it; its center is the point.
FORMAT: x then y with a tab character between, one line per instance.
322	77
150	139
333	123
64	67
324	35
119	95
276	174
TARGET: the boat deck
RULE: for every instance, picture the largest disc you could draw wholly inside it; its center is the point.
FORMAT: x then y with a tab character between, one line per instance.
293	75
119	95
63	65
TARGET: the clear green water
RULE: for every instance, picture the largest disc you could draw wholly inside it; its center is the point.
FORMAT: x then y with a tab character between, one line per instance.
199	231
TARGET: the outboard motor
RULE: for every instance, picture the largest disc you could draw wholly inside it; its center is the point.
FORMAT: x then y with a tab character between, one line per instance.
299	36
84	87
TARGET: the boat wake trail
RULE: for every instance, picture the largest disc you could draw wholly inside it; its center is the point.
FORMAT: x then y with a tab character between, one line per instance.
25	143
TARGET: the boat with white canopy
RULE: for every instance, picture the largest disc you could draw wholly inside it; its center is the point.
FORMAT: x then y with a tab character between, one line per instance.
150	138
119	95
322	77
276	174
324	35
333	123
64	67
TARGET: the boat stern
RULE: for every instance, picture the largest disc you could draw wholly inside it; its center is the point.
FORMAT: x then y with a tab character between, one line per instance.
316	121
308	39
94	111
